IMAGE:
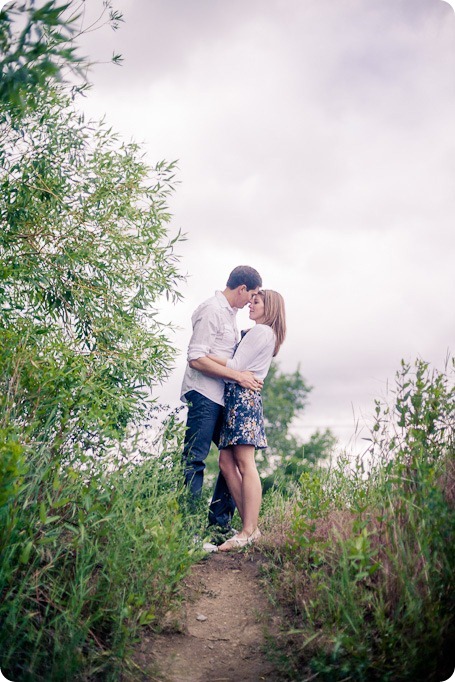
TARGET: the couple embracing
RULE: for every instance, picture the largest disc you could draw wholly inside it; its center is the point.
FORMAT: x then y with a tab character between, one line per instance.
222	387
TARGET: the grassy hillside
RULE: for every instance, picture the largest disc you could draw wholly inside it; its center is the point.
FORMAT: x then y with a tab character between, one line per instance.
362	556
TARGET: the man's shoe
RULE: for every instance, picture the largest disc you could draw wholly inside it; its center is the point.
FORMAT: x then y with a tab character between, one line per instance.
209	547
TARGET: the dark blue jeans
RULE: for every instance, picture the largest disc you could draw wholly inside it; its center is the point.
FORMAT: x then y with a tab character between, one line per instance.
203	426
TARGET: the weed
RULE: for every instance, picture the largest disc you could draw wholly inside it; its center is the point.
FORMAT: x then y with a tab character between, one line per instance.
367	557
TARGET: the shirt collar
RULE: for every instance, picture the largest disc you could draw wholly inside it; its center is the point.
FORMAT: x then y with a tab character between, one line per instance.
225	303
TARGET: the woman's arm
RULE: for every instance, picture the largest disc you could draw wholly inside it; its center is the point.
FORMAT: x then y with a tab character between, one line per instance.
208	366
259	342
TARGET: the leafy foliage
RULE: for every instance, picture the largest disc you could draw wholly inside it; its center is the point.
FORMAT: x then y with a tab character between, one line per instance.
84	257
38	42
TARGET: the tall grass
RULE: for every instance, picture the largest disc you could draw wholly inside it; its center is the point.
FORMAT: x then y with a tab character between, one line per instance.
91	552
363	556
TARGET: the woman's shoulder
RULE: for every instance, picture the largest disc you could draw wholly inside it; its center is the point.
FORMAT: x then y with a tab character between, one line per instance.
263	330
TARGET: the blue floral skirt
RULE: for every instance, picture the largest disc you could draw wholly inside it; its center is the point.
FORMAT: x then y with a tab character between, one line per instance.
243	422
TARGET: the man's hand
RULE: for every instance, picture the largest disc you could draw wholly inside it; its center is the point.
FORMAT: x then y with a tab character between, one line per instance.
248	380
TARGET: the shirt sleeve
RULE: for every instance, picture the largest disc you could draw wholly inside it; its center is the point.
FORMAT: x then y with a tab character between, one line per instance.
257	342
206	326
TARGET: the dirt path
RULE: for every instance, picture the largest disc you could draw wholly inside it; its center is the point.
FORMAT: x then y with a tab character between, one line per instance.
221	628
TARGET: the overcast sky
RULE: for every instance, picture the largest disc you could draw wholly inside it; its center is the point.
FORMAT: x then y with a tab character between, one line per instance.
316	142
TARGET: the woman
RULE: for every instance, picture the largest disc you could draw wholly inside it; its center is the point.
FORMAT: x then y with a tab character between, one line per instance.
243	425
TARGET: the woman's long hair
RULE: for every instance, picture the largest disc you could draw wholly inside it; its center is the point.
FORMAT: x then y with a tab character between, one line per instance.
274	315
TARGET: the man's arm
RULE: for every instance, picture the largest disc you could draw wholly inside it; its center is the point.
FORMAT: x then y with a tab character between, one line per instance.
216	369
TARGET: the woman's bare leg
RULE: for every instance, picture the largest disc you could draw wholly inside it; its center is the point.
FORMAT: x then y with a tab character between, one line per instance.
251	489
233	478
239	469
250	496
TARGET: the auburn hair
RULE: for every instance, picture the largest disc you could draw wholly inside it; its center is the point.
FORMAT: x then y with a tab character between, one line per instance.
274	315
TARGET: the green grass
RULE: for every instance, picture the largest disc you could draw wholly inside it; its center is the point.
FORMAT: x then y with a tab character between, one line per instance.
90	555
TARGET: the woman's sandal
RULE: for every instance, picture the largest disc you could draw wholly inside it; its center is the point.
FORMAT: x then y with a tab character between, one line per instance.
238	543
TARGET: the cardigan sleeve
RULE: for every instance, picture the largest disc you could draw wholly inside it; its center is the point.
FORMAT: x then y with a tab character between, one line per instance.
255	351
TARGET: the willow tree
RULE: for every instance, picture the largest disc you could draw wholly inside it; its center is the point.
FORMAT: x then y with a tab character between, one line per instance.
85	248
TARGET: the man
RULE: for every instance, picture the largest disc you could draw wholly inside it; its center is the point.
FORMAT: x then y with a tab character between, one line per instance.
214	331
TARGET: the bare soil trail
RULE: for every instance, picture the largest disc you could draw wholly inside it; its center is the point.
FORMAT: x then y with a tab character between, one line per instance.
221	631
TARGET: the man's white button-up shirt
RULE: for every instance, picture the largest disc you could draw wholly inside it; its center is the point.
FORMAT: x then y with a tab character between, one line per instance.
214	331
